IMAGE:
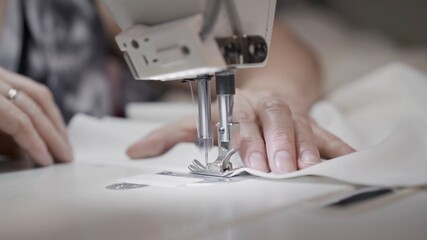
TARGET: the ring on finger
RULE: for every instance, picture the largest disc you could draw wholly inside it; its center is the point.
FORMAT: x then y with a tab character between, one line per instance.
12	94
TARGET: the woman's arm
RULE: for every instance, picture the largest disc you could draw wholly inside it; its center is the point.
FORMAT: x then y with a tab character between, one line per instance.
292	71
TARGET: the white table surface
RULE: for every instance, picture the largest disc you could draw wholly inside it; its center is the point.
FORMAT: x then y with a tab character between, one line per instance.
70	201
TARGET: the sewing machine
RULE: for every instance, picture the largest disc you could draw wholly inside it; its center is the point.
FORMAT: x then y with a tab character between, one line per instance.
192	40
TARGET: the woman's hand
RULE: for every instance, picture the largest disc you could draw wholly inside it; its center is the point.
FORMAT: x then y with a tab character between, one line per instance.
273	137
31	119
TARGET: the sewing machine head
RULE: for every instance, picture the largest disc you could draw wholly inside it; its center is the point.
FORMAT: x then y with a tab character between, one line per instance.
192	40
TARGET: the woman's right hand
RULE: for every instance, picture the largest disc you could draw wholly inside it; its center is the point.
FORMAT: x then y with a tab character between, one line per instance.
31	120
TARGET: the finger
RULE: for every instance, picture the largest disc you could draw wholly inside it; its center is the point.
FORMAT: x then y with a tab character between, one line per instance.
161	140
277	123
252	146
329	145
55	142
17	124
41	95
306	147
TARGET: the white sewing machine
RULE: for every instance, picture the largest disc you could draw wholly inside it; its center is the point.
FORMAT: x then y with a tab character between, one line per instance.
194	40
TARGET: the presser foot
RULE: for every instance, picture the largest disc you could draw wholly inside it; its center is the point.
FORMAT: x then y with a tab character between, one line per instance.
221	167
211	169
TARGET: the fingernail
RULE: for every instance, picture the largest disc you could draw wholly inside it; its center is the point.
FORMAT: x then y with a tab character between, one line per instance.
257	161
283	162
131	152
308	158
44	159
136	151
68	153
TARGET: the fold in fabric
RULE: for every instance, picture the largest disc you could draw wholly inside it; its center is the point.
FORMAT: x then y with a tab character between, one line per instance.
383	115
398	161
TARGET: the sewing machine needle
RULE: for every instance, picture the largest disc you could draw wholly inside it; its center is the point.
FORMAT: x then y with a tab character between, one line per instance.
204	139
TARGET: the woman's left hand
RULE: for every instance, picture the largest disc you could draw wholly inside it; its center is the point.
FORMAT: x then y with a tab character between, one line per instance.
273	136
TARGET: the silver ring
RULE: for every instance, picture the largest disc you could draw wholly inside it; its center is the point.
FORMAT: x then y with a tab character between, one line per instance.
12	94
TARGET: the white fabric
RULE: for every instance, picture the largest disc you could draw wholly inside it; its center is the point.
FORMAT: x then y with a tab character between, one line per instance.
383	115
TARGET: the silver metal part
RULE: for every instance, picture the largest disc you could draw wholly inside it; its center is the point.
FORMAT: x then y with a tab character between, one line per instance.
200	169
204	130
222	165
225	106
228	132
226	149
12	94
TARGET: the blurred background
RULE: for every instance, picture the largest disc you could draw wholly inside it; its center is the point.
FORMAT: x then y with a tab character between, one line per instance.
352	37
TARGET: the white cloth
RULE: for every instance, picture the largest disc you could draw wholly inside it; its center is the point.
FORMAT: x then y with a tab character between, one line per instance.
383	115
